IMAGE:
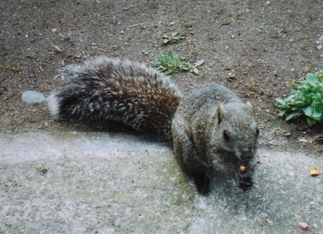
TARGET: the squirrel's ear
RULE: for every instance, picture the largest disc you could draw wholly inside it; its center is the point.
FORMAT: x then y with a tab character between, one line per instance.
250	106
219	113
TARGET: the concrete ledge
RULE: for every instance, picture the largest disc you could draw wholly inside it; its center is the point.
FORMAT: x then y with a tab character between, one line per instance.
102	183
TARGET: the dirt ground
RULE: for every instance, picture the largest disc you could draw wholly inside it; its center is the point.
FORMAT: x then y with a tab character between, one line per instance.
254	47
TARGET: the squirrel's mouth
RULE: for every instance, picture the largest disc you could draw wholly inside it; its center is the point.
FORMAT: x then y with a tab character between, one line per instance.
243	176
242	170
243	179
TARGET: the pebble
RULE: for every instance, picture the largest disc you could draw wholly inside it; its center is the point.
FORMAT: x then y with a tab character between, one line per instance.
303	225
31	96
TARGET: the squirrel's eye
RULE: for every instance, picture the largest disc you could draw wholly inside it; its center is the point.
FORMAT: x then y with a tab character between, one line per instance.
226	135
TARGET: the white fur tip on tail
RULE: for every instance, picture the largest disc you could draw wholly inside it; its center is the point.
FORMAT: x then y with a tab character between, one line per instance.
53	105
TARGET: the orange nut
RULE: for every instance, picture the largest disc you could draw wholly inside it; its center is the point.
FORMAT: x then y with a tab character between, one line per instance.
315	171
242	168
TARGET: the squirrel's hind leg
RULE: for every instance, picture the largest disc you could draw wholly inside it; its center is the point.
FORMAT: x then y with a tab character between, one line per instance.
202	182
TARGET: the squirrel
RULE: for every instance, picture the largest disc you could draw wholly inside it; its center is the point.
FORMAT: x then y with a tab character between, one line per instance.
211	129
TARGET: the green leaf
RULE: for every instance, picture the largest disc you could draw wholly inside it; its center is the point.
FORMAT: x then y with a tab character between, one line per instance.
306	99
291	116
282	112
311	79
165	40
196	71
310	121
317	115
319	75
309	111
199	62
279	102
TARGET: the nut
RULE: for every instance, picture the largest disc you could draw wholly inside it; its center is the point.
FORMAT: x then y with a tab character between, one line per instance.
242	168
315	171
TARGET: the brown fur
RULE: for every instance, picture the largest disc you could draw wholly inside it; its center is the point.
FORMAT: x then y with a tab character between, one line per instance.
104	89
211	128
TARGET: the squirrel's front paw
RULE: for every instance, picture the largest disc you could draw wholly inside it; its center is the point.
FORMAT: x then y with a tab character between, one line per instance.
202	183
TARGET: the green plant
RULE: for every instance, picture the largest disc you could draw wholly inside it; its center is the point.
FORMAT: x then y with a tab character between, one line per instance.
187	24
170	62
306	99
173	38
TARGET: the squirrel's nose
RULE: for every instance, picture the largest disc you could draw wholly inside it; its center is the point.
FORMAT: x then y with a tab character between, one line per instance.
247	154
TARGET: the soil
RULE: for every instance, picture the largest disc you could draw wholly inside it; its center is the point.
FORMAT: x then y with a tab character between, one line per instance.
254	47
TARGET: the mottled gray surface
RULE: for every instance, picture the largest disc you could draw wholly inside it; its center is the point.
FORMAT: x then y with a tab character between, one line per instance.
102	183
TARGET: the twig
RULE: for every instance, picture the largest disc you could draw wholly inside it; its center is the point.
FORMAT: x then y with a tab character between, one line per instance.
135	25
3	78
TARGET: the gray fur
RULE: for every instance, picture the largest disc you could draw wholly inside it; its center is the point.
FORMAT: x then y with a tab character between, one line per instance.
212	129
198	140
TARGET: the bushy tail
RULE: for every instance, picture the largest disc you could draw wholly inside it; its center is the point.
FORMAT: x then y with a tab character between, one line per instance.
103	89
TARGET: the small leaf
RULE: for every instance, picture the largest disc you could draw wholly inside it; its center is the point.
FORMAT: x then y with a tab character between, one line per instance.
316	115
291	116
196	71
309	111
282	112
311	79
279	101
199	62
165	40
310	121
162	68
290	98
